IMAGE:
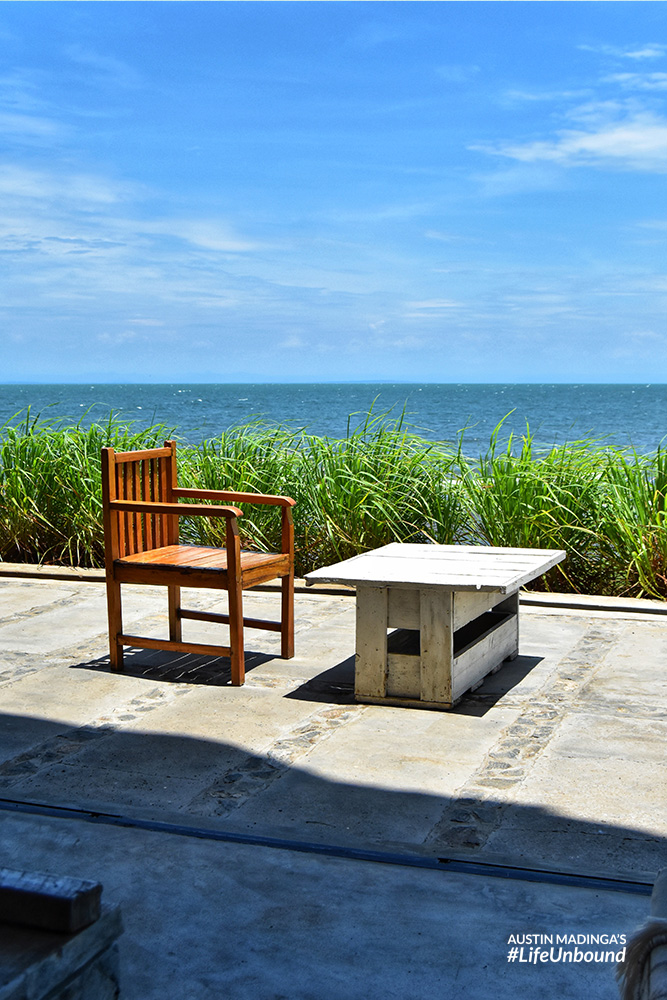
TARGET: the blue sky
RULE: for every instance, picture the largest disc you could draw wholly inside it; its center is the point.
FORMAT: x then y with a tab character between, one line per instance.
269	191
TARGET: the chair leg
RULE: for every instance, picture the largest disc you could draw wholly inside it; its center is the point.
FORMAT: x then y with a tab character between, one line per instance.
236	633
115	615
175	628
287	618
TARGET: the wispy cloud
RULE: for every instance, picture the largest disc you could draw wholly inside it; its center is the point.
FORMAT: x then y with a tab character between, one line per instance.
204	233
454	73
638	143
29	126
431	308
518	96
78	188
107	69
638	81
649	51
520	178
375	34
443	237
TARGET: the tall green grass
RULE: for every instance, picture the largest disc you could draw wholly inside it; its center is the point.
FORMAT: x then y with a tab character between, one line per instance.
50	488
380	483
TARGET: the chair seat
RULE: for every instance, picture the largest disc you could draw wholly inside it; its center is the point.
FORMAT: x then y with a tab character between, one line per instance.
200	560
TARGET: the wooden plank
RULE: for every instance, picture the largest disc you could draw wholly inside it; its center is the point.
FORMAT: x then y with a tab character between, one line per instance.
212	616
403	676
172	510
174	606
182	555
161	494
50	902
112	551
158	533
122	518
149	533
511	605
133	456
470	604
233	496
437	634
402	608
137	536
235	599
173	524
471	666
201	649
371	646
166	576
274	567
438	706
410	549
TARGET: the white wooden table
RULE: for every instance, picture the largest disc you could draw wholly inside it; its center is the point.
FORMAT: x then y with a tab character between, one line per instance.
456	609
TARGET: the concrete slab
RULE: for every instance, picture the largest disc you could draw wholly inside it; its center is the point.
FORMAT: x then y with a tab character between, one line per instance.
23	597
62	619
555	762
595	791
634	679
209	920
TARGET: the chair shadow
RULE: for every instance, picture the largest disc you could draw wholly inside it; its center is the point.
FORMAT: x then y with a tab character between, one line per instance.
335	686
175	668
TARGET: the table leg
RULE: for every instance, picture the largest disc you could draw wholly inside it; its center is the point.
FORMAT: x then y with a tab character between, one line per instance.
371	659
437	645
512	605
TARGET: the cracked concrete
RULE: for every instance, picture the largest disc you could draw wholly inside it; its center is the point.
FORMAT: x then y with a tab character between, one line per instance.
555	762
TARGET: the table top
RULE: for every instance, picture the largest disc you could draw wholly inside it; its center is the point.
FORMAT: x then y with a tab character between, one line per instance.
456	567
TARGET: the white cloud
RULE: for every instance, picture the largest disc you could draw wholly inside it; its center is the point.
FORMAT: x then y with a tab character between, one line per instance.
437	234
431	308
648	51
534	96
29	126
292	343
434	304
81	189
209	235
638	81
457	73
521	178
638	142
107	68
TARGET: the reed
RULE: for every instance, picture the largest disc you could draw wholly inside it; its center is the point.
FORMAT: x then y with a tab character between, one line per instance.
380	483
50	486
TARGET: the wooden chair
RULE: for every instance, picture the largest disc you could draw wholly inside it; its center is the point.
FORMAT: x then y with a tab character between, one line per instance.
141	510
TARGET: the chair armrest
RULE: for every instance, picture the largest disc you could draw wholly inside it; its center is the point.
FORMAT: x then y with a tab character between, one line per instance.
224	496
179	509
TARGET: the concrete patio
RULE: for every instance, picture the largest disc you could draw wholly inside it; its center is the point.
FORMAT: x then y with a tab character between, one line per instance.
162	783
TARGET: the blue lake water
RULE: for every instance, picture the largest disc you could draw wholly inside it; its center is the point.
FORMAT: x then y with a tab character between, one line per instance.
623	415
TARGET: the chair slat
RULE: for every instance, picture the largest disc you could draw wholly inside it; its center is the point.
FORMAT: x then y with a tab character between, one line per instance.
121	517
146	495
129	518
155	521
137	539
162	493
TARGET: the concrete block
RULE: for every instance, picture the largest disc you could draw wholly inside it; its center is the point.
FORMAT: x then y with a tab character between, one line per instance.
43	965
52	902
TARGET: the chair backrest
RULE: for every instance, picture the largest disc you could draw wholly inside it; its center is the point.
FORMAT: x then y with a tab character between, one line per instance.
148	475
